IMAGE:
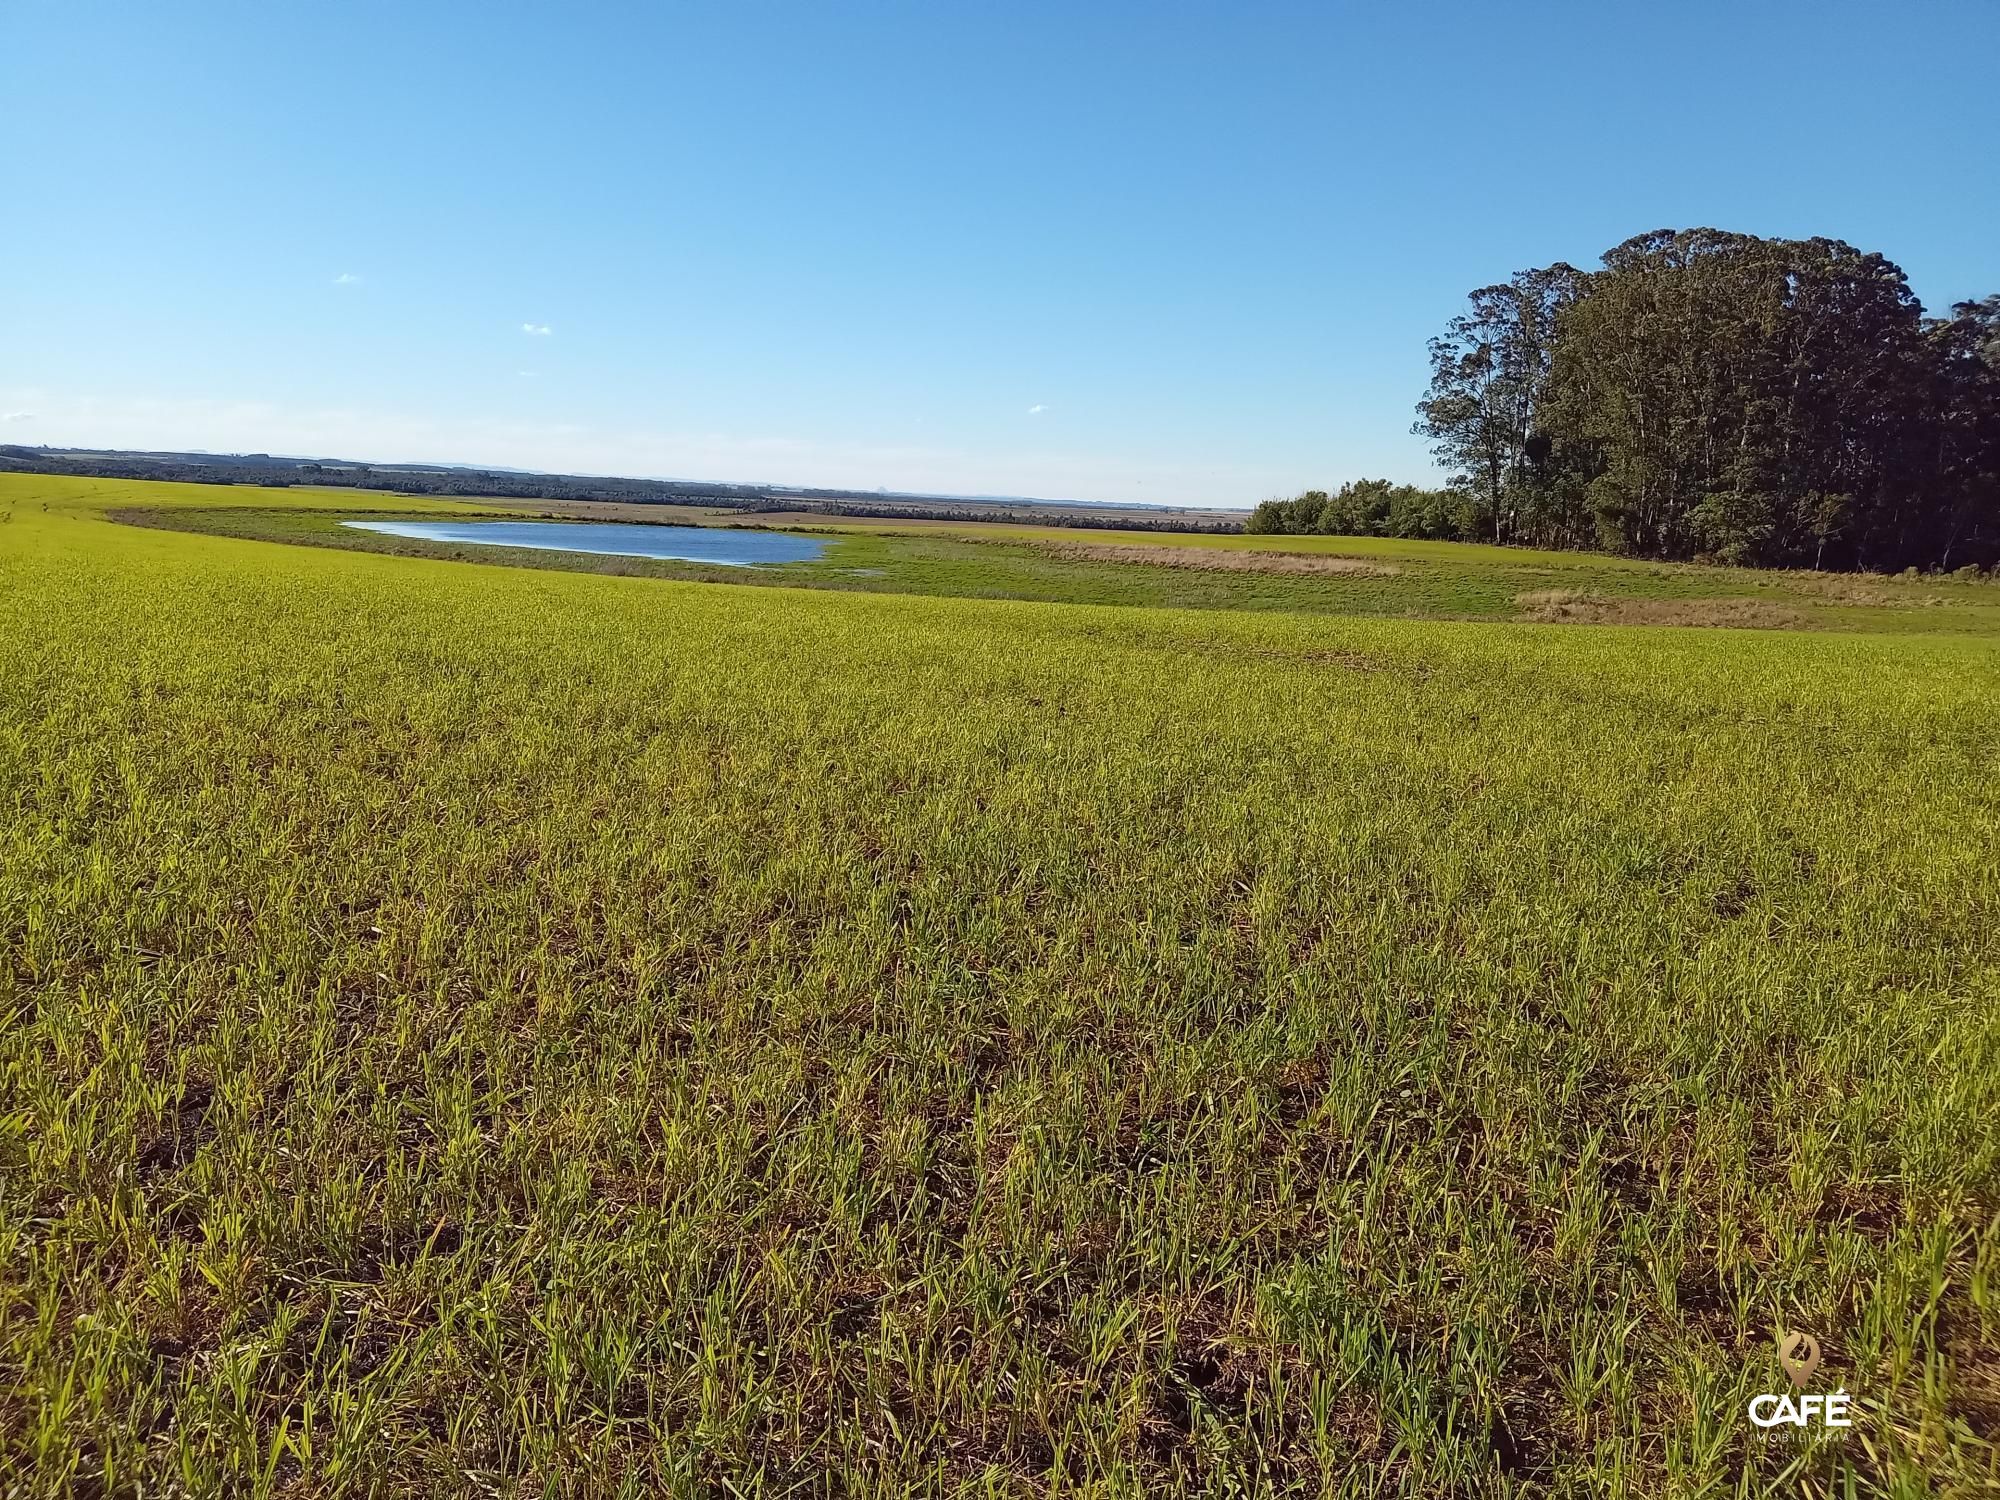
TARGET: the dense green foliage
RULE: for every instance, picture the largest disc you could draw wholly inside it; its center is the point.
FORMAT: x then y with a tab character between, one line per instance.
480	1030
1371	507
1763	401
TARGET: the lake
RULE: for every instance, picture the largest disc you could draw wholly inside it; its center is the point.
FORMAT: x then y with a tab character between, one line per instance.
702	544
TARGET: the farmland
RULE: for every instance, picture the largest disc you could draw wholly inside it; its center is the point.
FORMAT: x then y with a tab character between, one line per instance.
489	1027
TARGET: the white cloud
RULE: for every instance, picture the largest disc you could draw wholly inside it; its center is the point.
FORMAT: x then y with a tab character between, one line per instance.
1037	409
347	278
17	416
539	330
527	374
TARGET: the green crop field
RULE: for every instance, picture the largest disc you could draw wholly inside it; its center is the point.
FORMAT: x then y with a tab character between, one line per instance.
476	1029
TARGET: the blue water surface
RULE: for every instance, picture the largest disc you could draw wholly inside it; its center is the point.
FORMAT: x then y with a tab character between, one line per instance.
703	544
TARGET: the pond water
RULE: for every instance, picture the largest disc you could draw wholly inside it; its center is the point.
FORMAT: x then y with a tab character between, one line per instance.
702	544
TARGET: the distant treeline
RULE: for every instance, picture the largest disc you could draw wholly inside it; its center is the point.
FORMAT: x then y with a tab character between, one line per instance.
1374	507
414	479
1778	403
483	484
1086	521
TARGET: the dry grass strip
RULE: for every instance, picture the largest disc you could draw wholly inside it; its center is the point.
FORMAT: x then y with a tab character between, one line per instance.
1216	559
1565	606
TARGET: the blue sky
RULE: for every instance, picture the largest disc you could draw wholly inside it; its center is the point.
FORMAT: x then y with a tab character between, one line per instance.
1155	252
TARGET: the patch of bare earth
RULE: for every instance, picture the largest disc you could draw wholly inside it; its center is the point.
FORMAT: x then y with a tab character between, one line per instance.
1844	590
1565	606
1876	590
1217	559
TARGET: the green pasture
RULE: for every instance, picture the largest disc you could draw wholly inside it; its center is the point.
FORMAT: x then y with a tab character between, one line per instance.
1431	580
470	1028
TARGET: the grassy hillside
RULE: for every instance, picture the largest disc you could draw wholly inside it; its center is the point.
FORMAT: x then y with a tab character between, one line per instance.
481	1029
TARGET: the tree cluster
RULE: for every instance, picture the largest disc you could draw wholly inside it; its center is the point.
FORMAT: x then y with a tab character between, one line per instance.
1372	507
1769	402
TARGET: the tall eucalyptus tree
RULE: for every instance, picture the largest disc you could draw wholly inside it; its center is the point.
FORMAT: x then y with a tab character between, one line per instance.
1765	401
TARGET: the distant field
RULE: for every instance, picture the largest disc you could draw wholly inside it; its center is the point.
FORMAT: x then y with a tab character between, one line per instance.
1414	579
474	1029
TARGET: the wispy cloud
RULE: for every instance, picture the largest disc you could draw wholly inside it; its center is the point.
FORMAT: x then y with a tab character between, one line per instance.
539	330
17	416
527	374
347	278
1037	409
